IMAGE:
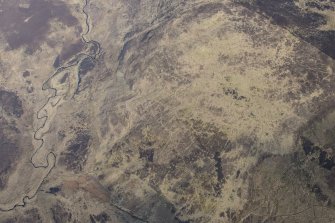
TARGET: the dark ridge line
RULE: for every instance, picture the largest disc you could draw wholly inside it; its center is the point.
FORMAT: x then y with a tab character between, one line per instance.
77	61
253	8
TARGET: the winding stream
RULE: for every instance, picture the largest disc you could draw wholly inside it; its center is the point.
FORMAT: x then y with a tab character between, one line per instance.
43	114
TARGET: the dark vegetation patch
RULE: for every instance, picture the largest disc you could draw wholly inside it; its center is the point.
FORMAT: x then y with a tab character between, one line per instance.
61	135
163	211
26	74
30	89
147	154
54	190
71	50
148	36
318	5
60	214
231	215
93	48
56	63
29	216
319	195
64	78
74	158
85	66
325	157
100	218
219	172
233	92
305	25
10	103
28	24
124	50
67	52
